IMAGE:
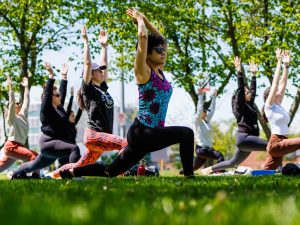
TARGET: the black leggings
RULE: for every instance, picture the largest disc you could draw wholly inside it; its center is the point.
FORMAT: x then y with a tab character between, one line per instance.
51	149
205	153
141	140
246	144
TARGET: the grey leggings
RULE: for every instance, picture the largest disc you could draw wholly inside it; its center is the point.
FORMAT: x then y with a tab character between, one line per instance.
51	149
246	144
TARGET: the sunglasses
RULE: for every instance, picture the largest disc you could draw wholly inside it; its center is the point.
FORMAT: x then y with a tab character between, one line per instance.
160	50
56	95
102	68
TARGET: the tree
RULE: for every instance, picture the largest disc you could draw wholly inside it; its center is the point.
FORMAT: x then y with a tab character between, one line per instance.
27	29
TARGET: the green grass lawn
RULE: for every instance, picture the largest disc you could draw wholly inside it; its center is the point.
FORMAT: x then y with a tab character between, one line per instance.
164	200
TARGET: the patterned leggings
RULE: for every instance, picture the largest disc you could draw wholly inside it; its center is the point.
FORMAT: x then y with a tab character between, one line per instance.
96	143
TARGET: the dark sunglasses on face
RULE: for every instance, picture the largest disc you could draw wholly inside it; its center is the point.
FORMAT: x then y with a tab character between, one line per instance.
160	50
56	95
102	67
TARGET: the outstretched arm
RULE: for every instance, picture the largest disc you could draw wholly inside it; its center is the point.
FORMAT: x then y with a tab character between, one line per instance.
103	58
151	27
240	93
11	114
78	115
283	81
26	101
87	69
47	99
199	109
141	69
63	84
274	88
69	107
253	70
212	106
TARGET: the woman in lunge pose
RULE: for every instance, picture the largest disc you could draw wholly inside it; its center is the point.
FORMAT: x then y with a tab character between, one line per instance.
95	98
148	132
278	118
58	138
17	120
247	139
203	132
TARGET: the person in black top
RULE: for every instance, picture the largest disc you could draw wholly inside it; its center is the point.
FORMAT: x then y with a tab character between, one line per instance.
73	121
99	105
247	139
58	138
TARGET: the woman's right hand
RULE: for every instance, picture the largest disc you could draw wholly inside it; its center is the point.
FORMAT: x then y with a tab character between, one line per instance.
8	81
135	14
84	34
253	68
279	53
237	64
286	59
25	82
49	69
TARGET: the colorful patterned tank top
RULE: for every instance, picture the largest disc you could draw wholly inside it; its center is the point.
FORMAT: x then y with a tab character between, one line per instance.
154	97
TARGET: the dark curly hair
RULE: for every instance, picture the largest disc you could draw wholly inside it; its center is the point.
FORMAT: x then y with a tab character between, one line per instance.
154	41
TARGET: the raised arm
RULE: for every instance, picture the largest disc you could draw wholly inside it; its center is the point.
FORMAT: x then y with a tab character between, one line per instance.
212	106
69	107
141	69
274	88
78	115
87	68
11	114
47	98
26	100
240	93
283	81
103	58
151	27
63	84
199	108
253	70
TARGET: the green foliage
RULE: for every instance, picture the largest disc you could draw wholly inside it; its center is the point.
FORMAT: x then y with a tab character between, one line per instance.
27	29
175	157
224	139
108	159
269	200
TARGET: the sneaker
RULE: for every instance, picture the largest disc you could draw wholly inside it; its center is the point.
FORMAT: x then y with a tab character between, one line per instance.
10	175
206	171
19	176
66	174
35	175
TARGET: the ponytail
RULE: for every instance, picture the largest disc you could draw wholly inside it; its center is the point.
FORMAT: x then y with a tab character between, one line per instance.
266	94
263	113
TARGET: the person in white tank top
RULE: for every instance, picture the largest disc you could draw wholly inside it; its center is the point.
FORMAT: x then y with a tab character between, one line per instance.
278	118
